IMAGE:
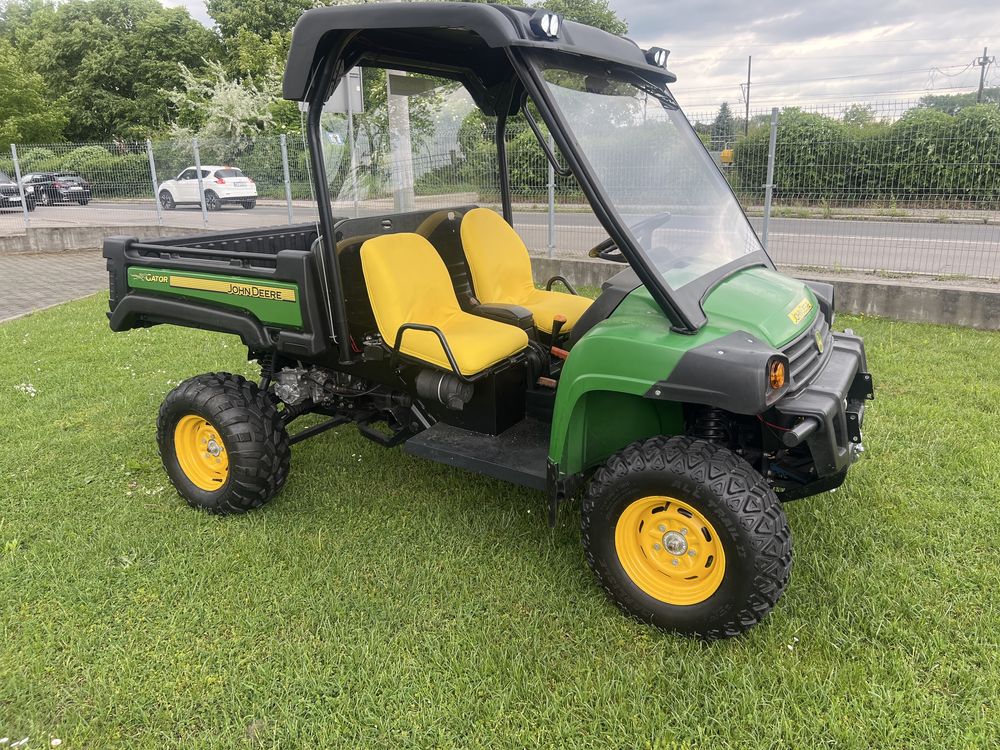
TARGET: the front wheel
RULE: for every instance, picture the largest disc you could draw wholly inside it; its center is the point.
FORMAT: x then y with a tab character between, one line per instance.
686	535
223	443
44	198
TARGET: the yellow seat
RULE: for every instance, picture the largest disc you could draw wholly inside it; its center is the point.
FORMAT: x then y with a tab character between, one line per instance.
409	283
501	271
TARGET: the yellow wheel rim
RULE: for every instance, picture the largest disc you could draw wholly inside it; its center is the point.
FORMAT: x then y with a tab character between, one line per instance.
201	453
670	550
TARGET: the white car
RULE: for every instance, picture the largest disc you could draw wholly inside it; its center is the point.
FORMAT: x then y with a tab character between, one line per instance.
221	185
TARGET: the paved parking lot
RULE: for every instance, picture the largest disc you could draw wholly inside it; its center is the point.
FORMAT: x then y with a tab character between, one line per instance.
34	282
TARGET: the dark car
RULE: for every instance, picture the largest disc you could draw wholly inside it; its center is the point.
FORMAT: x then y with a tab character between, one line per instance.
55	187
10	195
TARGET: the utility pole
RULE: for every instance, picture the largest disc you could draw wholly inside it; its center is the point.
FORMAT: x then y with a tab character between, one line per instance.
746	118
983	63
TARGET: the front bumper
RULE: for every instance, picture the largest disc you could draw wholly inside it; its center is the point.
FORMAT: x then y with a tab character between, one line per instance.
830	410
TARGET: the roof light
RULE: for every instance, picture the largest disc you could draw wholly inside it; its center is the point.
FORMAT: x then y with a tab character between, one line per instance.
545	24
657	56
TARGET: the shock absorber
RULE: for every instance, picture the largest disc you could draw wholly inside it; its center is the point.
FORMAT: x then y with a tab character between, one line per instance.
712	424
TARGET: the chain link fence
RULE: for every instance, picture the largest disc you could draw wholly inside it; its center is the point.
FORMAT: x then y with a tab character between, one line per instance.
891	187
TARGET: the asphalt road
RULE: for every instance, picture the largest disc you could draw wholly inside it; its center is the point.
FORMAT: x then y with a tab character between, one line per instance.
921	247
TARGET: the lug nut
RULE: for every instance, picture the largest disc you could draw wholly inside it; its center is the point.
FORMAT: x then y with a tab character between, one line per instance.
661	527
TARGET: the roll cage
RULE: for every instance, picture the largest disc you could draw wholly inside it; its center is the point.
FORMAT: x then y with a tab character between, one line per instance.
500	58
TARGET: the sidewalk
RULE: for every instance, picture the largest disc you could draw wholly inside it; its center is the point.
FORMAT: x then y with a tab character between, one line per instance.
34	282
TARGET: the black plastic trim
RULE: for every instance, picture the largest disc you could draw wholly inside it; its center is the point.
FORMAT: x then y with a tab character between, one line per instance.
729	373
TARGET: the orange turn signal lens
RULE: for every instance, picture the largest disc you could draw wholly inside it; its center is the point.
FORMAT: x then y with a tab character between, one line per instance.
777	374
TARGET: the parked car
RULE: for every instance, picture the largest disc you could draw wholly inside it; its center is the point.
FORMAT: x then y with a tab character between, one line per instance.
56	187
10	195
221	185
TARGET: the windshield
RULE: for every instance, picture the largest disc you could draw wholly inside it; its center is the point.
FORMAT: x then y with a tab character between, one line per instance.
655	172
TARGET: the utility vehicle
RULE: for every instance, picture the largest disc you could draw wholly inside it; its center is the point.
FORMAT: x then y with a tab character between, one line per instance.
696	393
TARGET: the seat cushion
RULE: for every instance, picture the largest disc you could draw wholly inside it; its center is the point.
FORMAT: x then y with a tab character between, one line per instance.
501	271
545	306
408	282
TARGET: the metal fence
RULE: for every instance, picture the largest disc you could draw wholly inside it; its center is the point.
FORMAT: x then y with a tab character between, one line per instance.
888	187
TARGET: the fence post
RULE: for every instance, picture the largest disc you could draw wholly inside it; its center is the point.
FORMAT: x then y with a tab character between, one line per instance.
552	201
201	182
288	181
156	183
769	187
20	187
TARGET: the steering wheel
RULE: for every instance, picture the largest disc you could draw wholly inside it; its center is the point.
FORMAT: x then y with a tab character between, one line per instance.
608	249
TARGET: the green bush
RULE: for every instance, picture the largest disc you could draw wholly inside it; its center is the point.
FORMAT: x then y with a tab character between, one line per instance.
925	155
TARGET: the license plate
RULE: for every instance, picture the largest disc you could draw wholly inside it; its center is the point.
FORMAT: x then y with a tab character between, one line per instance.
240	183
76	187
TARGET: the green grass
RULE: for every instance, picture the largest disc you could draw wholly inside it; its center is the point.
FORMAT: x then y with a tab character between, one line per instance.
384	602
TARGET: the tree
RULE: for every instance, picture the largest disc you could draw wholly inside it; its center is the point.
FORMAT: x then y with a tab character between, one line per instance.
27	113
211	105
110	60
723	127
952	104
591	12
859	115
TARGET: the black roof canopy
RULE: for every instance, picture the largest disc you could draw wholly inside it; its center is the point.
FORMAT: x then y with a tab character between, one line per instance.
471	37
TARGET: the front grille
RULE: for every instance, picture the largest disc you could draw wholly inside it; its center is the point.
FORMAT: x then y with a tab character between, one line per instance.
804	356
9	190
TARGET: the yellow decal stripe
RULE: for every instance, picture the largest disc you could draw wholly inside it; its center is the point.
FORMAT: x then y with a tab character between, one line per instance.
800	311
253	291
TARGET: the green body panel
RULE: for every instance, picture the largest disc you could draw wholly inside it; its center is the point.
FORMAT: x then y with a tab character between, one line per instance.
272	302
760	301
601	406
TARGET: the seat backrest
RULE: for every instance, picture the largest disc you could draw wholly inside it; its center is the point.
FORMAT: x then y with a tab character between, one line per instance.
407	282
497	258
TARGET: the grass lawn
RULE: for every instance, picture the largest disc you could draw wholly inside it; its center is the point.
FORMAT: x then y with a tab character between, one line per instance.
384	602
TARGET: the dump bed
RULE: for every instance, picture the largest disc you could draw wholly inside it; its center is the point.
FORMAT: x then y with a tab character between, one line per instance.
264	285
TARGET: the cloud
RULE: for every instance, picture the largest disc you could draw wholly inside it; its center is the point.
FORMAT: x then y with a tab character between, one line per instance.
826	51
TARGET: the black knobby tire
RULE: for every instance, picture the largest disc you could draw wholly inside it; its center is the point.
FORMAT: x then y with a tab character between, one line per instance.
251	430
731	495
212	201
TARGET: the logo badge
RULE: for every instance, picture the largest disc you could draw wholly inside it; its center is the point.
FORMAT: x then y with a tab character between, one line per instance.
819	341
800	311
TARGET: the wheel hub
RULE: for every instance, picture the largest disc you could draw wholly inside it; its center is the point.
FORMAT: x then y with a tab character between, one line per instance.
201	453
675	543
670	550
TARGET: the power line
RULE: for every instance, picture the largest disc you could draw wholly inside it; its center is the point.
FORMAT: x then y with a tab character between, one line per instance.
832	78
853	43
844	97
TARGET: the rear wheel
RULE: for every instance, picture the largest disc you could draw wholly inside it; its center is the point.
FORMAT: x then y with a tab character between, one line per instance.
167	200
83	201
250	203
212	201
684	534
223	443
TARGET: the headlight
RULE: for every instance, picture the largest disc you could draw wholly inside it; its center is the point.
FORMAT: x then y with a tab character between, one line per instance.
545	24
777	374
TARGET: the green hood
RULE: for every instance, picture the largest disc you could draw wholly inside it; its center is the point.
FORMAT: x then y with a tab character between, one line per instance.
774	307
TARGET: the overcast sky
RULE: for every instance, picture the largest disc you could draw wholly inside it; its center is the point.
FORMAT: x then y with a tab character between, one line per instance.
872	49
